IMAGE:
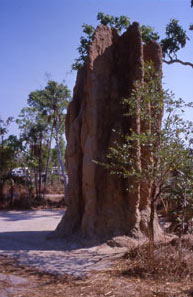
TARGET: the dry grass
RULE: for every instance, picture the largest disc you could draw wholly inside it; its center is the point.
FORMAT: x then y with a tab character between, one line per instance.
22	200
168	262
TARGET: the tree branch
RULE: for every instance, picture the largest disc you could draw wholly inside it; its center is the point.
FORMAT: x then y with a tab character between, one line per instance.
172	61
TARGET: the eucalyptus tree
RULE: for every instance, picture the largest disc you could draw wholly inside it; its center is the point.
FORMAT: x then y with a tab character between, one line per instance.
45	116
52	102
175	39
34	134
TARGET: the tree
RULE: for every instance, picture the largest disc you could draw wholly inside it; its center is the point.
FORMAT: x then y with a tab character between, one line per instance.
84	46
46	113
175	39
4	125
34	134
10	148
178	195
52	102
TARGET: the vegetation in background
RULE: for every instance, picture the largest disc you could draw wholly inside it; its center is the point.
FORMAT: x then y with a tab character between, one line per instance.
41	123
175	38
39	151
10	148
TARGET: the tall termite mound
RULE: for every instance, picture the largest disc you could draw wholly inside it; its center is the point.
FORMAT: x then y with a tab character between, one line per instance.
98	203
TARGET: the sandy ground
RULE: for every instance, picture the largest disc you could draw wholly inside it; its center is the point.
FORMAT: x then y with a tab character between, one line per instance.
23	238
73	270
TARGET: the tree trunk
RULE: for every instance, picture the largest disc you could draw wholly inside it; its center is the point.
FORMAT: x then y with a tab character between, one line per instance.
47	161
99	204
36	181
40	167
1	188
60	159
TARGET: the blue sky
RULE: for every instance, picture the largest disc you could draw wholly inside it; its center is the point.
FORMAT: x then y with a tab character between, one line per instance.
41	36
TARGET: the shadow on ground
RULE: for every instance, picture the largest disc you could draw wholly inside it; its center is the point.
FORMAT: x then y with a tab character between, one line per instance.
23	237
38	241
